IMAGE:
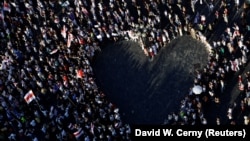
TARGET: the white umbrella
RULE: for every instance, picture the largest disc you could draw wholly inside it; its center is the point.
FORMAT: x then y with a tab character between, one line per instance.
197	89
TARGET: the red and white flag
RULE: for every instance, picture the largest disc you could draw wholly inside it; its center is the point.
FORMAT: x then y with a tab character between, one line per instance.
29	96
78	133
80	40
79	73
6	6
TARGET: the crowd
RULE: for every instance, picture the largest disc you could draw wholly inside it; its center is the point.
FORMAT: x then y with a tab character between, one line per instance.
228	57
48	89
47	85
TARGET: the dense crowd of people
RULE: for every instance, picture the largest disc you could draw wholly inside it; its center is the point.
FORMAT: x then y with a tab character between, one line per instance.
47	85
228	57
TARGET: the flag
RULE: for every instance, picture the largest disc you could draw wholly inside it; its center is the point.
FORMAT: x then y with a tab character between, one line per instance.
85	11
65	80
80	40
6	6
53	51
78	133
79	73
63	32
29	96
70	39
13	4
92	128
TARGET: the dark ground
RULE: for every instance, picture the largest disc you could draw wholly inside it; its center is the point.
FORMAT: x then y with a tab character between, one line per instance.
146	91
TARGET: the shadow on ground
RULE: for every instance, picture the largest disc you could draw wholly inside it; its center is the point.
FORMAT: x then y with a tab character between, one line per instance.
146	91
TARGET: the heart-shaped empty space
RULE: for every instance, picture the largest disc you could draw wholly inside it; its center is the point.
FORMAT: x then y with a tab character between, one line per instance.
147	91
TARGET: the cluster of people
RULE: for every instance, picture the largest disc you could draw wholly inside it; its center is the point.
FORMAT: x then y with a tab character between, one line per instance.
228	57
155	23
243	104
47	85
48	89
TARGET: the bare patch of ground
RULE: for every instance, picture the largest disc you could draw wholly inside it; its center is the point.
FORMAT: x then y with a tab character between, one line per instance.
146	91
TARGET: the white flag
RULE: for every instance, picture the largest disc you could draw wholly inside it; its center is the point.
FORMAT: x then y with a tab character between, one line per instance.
53	51
70	39
64	32
92	126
